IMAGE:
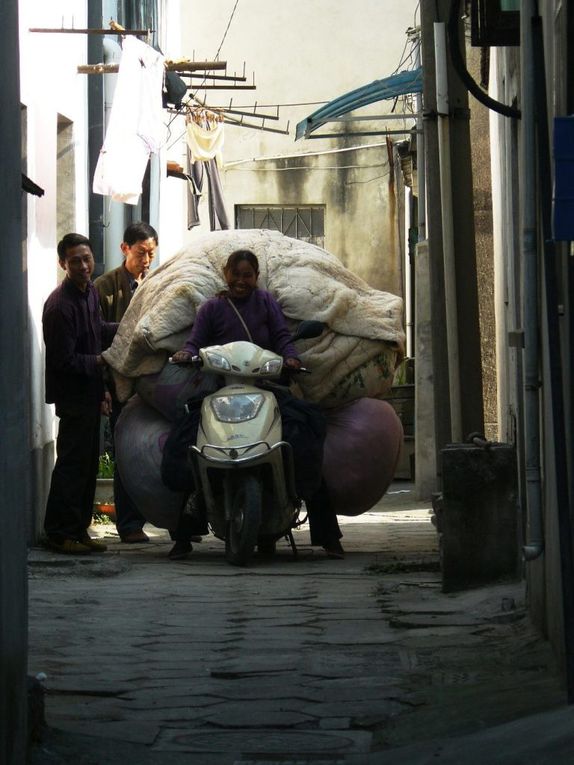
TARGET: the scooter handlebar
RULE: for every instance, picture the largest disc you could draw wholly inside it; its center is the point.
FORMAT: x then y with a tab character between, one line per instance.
193	361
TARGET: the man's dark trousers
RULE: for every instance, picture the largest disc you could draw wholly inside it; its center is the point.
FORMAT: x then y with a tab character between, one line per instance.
128	517
70	503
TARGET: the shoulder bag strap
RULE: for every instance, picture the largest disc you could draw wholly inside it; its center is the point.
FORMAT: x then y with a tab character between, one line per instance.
240	317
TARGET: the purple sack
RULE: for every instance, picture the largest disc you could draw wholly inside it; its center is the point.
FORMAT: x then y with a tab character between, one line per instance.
361	453
169	390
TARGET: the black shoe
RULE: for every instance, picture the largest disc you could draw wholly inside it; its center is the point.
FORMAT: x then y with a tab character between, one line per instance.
334	549
180	550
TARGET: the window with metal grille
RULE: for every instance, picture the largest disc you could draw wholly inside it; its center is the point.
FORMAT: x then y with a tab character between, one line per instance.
306	222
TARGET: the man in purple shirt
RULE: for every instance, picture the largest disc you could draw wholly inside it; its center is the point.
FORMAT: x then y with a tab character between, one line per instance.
75	335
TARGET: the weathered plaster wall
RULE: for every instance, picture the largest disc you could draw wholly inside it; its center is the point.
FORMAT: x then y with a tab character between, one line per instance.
13	414
50	89
543	574
359	224
306	53
480	145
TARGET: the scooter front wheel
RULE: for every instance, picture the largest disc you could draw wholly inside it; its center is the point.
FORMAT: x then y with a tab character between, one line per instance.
243	527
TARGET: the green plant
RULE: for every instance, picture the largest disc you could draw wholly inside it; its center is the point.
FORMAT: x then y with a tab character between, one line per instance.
101	518
404	373
106	466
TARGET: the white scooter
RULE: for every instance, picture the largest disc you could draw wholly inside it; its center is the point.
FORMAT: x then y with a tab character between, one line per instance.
240	462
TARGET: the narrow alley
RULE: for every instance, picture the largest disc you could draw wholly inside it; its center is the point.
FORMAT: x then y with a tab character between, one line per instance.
291	660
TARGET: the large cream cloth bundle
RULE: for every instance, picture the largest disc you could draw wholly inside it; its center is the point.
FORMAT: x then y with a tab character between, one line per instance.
355	357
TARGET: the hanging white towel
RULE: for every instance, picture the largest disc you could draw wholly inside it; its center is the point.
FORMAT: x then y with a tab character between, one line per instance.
135	127
205	144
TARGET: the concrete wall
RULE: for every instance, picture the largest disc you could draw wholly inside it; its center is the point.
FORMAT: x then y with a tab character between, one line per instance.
14	464
543	574
304	53
482	188
54	99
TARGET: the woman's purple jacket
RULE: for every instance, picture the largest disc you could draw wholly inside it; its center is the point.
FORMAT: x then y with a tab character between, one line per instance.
217	323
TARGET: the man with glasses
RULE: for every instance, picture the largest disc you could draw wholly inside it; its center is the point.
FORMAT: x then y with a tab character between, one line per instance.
116	289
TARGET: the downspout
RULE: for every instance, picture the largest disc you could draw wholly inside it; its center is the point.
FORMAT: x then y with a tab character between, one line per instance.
407	259
553	336
96	130
421	159
114	212
425	441
534	525
447	216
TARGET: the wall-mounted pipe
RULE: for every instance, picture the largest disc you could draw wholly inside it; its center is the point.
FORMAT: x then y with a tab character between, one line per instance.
460	67
530	314
114	212
447	218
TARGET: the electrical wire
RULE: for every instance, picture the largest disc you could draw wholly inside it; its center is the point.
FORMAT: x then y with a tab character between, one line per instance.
298	155
290	169
220	45
226	29
369	180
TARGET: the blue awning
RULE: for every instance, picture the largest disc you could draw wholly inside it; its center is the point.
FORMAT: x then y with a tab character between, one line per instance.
396	85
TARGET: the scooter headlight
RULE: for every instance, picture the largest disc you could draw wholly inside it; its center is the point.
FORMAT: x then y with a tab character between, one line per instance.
237	407
217	361
271	367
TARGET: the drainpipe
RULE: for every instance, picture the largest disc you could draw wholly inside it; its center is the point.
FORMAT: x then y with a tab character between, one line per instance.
530	320
553	340
114	212
422	216
95	135
447	217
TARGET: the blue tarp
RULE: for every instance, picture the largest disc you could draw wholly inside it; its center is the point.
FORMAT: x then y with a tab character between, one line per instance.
396	85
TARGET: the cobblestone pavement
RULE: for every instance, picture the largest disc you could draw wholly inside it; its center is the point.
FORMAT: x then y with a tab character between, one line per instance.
304	660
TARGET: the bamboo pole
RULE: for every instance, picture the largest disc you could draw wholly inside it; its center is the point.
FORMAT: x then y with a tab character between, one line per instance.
172	66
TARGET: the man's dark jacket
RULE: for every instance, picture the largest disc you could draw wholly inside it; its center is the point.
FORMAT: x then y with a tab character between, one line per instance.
115	290
74	334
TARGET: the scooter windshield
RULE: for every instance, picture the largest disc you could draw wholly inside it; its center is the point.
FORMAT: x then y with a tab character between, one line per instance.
237	407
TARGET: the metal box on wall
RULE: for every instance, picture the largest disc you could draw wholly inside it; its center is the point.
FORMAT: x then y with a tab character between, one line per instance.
477	515
563	201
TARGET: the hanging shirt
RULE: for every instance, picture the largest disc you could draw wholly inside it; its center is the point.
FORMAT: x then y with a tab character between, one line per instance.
136	126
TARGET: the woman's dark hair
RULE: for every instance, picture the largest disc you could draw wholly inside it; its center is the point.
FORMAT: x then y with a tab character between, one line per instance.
69	241
239	255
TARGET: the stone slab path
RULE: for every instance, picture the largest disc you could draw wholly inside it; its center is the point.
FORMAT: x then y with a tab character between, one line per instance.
287	661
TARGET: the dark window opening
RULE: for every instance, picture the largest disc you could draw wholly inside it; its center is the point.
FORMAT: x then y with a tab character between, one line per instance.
495	22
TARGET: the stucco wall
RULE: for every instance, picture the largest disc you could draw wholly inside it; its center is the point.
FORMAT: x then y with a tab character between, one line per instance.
480	144
544	573
50	87
306	53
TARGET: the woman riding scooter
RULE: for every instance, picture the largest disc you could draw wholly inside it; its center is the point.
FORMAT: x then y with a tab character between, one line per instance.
243	311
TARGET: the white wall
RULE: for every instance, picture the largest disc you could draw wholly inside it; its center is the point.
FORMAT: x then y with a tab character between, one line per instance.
50	87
